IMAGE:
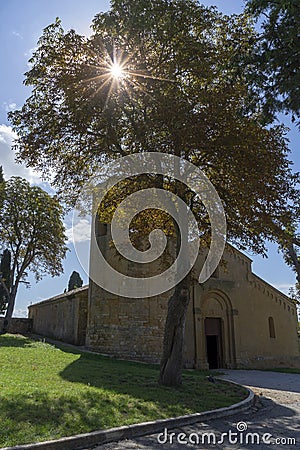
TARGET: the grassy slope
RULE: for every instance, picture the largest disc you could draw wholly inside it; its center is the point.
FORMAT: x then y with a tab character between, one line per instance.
48	392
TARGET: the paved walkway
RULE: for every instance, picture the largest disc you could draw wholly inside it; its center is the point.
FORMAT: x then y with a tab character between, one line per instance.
283	388
272	423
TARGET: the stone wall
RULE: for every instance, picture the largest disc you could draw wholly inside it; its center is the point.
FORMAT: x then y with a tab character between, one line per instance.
129	328
126	328
242	303
63	317
18	325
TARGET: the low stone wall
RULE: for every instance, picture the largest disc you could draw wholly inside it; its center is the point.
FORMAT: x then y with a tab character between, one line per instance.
18	325
63	317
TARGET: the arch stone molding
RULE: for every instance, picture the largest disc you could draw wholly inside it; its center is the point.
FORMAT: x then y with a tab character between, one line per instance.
214	304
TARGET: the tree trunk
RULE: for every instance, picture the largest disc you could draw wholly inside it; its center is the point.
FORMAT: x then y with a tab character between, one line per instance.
172	359
9	312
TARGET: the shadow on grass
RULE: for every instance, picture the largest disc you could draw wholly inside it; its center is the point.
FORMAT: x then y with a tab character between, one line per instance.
140	381
12	340
40	417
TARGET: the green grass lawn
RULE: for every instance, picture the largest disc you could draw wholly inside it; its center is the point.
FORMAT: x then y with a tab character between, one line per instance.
48	392
284	370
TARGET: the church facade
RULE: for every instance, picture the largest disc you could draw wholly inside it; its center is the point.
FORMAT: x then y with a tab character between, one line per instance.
234	320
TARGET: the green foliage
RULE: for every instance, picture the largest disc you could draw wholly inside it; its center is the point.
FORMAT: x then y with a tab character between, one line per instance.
49	392
182	92
275	66
75	281
294	293
32	229
5	277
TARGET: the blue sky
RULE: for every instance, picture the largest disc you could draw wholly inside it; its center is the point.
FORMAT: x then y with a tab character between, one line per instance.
22	23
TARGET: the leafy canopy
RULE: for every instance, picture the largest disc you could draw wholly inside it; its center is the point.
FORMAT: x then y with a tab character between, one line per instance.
32	230
178	90
276	60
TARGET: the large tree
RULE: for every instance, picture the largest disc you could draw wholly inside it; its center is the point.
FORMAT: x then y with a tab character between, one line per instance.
32	231
159	76
275	61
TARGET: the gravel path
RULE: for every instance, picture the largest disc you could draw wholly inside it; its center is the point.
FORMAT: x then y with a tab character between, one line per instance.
273	422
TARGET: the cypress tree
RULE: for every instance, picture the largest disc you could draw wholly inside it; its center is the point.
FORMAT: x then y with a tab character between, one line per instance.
75	281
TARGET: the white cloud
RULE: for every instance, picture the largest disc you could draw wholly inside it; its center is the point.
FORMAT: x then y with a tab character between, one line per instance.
20	313
9	106
17	34
284	287
28	54
30	51
7	158
80	232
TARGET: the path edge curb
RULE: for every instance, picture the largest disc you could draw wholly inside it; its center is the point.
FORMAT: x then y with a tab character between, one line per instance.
81	441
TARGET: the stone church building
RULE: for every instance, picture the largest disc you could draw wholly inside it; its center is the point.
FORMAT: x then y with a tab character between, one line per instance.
234	320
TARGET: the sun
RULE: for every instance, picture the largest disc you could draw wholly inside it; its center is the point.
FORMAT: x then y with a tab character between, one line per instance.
116	70
114	73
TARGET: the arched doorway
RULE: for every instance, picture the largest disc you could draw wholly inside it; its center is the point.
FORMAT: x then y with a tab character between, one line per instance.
218	330
214	331
214	342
